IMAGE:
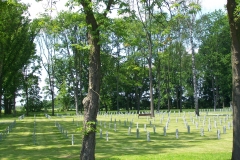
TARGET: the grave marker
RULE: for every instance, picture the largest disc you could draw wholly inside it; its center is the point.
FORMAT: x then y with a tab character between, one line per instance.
188	129
224	130
148	136
202	132
164	131
218	133
100	133
176	133
72	139
129	131
137	132
209	127
107	135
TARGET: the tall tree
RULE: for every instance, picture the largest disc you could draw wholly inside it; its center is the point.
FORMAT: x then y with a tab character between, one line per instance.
91	101
16	45
233	9
193	7
72	45
214	59
46	41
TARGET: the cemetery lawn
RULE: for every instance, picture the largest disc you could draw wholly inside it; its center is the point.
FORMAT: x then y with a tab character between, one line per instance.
53	137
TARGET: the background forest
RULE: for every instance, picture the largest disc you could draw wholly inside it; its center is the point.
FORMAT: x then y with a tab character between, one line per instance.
161	53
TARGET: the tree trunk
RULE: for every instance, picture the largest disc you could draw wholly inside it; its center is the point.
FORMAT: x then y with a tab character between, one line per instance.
137	100
90	102
168	81
0	96
235	34
52	93
180	78
214	94
159	84
118	54
194	76
151	85
127	106
76	98
14	105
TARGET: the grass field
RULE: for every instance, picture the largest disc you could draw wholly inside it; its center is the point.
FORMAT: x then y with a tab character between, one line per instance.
50	143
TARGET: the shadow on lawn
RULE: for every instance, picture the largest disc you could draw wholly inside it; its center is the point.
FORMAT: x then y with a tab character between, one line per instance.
52	144
128	145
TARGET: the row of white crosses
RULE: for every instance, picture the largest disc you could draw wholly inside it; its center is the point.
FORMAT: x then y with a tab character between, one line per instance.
167	124
9	128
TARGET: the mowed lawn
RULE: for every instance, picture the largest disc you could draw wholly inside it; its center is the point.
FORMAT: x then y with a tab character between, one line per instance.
53	137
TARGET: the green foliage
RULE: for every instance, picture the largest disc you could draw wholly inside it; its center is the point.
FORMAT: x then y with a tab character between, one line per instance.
63	97
214	56
17	48
89	127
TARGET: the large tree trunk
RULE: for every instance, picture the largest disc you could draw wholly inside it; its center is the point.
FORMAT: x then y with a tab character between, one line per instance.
90	102
235	34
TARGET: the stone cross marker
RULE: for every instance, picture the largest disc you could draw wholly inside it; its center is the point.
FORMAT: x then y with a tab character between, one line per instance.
100	133
202	132
129	130
148	136
164	131
224	129
137	132
72	139
176	133
218	133
107	135
209	127
188	129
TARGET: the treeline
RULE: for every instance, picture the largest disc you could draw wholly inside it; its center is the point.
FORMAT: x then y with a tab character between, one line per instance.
168	58
17	52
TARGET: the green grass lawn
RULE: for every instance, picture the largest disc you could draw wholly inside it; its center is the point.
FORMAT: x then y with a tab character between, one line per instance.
50	143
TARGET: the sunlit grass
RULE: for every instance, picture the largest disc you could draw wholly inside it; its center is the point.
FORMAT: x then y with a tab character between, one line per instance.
50	143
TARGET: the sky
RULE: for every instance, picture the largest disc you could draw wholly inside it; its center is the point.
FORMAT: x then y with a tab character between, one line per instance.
36	7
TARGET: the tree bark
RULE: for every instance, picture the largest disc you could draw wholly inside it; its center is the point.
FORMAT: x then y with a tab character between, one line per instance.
235	34
91	101
159	84
137	99
194	77
0	95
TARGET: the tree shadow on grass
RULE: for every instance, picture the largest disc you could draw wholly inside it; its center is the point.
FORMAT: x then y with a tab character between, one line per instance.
123	144
52	144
